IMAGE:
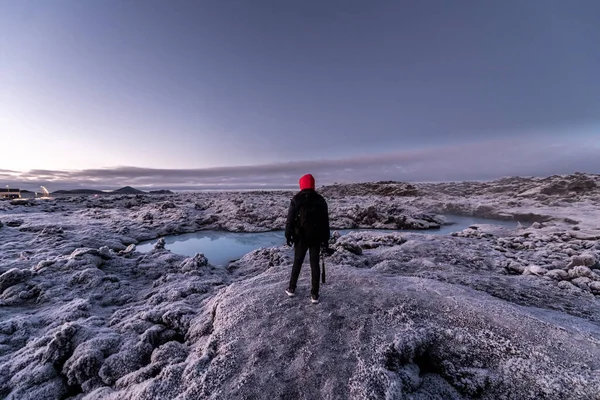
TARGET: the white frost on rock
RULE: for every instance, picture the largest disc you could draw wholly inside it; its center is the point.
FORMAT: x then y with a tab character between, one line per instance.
105	252
12	277
160	244
130	249
587	259
582	283
195	263
567	285
595	287
558	274
534	270
402	315
580	271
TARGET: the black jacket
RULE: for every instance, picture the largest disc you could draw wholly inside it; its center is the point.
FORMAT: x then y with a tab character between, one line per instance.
308	195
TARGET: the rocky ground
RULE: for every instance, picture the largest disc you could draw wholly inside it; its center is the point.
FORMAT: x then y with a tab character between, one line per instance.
486	312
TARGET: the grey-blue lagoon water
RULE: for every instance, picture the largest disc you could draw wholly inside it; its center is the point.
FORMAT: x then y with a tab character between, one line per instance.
222	247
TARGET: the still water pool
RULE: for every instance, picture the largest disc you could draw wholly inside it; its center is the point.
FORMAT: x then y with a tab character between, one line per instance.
222	247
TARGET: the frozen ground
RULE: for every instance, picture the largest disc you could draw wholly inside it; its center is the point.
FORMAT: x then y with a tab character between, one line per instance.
485	313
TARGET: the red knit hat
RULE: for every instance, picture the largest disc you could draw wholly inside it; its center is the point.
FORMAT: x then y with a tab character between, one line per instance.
307	182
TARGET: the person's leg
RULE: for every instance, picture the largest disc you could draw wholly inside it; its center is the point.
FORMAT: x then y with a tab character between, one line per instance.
315	270
299	254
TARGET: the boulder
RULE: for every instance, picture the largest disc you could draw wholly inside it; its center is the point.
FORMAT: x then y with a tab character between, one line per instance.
160	244
12	277
595	287
583	235
130	249
534	270
582	283
587	259
567	286
14	223
167	205
515	268
580	271
105	252
195	263
582	184
84	251
558	274
554	188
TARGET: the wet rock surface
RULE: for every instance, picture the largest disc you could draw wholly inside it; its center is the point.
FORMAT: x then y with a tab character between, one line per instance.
487	312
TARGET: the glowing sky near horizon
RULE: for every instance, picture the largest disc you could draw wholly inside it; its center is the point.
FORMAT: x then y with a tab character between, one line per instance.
96	85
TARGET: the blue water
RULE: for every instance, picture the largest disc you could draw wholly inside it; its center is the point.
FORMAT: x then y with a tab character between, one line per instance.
222	247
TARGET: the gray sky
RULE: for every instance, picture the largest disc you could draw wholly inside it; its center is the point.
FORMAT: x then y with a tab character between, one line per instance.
189	94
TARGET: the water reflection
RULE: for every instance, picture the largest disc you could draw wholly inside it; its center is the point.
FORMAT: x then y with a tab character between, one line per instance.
219	247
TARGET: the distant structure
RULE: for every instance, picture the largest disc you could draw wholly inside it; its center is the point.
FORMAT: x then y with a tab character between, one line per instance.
45	192
10	193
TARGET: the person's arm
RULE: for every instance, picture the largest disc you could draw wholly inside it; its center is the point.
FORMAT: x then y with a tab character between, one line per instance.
326	232
290	223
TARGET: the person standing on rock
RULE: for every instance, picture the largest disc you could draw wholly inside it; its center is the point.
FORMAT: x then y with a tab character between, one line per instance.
307	229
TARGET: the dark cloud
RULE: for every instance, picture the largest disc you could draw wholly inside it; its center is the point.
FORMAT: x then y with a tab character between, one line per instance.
476	161
262	81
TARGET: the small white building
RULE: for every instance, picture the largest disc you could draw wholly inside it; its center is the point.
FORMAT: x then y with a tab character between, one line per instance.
10	193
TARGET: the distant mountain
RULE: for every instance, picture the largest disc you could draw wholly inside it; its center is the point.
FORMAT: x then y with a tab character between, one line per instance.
123	190
128	190
79	191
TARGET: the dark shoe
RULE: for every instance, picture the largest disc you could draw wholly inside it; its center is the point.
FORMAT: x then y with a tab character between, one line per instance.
314	298
290	292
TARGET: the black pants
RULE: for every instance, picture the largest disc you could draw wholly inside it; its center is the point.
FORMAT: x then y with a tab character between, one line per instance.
315	272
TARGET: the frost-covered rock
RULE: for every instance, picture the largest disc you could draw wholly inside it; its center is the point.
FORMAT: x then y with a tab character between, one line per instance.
577	184
595	287
558	274
582	283
41	382
534	270
515	267
375	188
160	244
398	313
357	242
167	205
584	235
52	231
83	366
261	260
195	263
348	246
580	271
587	259
130	249
170	353
567	285
129	359
12	277
335	236
105	252
60	348
15	223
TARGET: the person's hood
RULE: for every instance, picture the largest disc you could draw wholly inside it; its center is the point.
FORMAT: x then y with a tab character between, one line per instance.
307	182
